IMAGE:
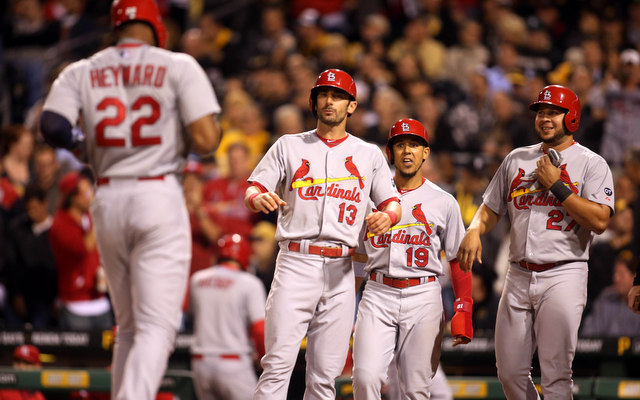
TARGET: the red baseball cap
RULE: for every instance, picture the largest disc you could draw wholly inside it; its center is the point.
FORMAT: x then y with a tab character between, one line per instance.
27	353
69	182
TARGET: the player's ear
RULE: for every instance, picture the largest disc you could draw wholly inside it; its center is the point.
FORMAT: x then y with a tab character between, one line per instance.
353	104
427	152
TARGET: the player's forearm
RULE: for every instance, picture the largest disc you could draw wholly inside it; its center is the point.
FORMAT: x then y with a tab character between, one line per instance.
205	134
484	220
588	214
394	207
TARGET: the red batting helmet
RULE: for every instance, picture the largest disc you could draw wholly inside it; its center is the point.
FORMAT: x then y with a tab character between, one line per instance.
564	98
147	11
336	78
235	247
409	127
27	353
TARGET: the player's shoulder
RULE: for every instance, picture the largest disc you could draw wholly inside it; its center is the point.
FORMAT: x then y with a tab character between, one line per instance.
434	191
578	150
202	274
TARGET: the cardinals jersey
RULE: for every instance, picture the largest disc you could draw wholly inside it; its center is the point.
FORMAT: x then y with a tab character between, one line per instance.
327	186
430	223
225	304
131	98
542	230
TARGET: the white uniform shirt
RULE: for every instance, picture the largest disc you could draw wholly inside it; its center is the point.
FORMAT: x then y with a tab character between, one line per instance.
225	305
412	249
542	231
133	100
327	189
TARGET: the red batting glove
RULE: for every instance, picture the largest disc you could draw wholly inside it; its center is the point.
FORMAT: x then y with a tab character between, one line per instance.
461	324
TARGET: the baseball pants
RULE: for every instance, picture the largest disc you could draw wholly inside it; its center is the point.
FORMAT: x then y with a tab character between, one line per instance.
310	295
144	239
405	323
539	310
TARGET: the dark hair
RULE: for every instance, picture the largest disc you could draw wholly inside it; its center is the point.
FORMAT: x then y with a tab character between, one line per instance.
33	191
10	135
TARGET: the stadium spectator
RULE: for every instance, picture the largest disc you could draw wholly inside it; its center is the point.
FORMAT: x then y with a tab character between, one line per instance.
620	234
81	288
264	250
16	148
31	268
26	34
622	107
224	196
46	174
611	315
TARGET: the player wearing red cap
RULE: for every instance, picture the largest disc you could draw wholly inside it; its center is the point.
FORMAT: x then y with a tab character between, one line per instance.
228	310
558	194
25	357
142	109
401	315
321	183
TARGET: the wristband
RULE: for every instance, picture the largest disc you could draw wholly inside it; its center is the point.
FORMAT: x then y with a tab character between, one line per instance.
251	203
560	190
393	216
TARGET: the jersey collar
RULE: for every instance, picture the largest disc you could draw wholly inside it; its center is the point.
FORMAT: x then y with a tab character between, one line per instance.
332	142
403	191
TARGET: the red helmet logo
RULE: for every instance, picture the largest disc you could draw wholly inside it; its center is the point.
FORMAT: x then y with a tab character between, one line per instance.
123	11
335	78
236	248
409	127
564	98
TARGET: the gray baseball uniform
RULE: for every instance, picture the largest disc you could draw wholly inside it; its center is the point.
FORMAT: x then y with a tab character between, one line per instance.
406	321
327	187
133	99
545	288
225	304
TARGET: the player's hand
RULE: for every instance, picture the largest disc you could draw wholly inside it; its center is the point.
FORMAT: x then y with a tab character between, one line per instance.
470	250
546	172
378	222
460	340
267	202
634	299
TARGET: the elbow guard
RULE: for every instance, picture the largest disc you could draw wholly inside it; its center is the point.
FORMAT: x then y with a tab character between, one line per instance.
56	130
462	323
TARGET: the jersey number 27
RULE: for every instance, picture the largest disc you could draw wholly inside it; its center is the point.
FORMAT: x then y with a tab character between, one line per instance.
136	138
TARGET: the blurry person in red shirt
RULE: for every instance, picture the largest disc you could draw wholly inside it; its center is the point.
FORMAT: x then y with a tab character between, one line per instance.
225	195
81	286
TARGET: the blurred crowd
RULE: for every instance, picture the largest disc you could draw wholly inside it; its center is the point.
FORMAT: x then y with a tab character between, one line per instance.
466	69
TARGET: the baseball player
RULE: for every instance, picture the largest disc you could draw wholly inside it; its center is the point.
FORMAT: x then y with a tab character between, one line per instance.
401	312
26	357
228	308
555	210
133	99
321	181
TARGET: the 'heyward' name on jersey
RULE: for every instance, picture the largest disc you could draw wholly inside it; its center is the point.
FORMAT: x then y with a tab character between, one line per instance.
128	75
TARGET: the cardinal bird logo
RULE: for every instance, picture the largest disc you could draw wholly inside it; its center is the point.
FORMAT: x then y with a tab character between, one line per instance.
353	170
566	179
417	213
303	170
518	181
